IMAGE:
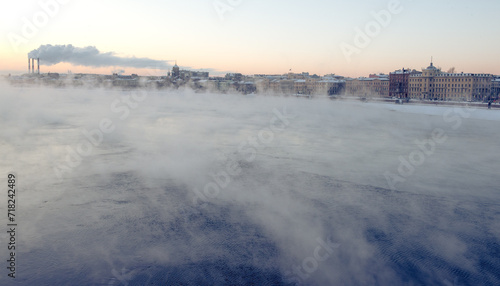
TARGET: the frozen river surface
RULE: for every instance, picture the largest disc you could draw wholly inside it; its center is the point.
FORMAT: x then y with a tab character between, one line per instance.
178	188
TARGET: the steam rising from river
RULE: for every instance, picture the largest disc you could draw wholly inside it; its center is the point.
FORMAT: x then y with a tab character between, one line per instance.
113	189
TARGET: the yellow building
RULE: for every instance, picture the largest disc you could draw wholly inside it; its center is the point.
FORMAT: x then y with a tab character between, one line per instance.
329	86
367	87
437	85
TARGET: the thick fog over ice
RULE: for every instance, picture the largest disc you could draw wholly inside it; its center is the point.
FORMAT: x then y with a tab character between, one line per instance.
180	188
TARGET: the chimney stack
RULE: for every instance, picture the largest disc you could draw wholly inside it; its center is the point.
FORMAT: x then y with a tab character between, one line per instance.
38	62
32	65
29	65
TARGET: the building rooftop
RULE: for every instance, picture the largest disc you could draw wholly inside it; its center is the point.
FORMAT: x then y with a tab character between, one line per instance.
432	67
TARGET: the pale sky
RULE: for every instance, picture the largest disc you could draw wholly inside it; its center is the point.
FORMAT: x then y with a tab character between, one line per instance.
260	37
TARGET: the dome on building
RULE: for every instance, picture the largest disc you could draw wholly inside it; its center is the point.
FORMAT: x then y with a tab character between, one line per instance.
432	67
175	71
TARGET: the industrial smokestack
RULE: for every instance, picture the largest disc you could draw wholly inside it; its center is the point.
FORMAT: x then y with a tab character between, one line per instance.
29	65
38	62
32	65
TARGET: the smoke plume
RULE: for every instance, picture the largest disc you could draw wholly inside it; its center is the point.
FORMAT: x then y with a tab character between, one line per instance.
91	56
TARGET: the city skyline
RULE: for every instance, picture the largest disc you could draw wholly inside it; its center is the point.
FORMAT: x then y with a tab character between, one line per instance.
351	39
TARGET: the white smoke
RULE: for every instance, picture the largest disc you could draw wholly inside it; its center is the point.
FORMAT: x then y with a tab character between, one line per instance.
90	56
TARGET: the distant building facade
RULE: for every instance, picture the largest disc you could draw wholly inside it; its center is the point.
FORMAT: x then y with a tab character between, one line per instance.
434	84
368	87
306	86
185	74
495	88
399	82
329	86
177	73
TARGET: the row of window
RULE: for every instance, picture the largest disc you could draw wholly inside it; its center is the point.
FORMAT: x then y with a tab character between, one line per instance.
451	85
451	79
367	88
445	85
452	90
